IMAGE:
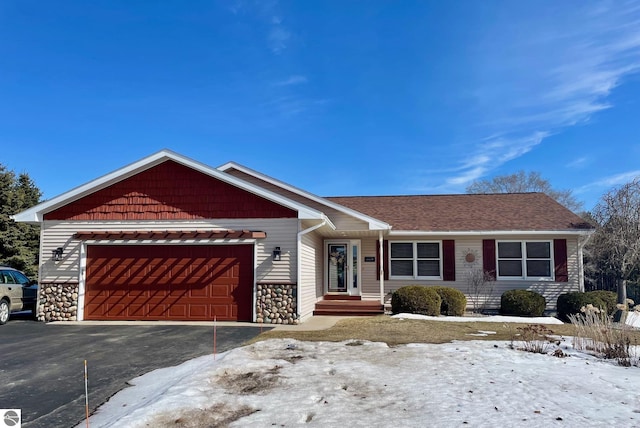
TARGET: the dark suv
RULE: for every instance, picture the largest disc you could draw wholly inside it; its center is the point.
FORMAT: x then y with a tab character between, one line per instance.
17	293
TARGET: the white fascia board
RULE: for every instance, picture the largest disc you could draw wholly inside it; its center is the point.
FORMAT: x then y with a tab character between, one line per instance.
491	232
374	224
35	214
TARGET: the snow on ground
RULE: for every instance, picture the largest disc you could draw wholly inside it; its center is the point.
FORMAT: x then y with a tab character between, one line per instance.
633	319
481	318
284	382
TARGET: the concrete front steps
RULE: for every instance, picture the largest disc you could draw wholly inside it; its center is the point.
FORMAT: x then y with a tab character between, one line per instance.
336	304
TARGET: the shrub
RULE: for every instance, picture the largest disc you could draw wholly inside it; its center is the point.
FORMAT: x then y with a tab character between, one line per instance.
572	303
416	299
609	298
454	301
522	303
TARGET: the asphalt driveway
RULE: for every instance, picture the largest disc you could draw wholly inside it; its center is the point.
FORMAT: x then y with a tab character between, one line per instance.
42	365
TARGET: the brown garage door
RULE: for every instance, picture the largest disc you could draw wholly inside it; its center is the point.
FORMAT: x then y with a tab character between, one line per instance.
169	282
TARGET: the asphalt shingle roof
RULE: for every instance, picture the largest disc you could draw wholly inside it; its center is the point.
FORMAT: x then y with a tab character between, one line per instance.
476	212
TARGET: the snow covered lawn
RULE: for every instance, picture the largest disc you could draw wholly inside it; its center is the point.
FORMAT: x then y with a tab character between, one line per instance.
284	383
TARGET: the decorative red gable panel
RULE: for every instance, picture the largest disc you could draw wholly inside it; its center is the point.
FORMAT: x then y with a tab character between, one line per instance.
170	191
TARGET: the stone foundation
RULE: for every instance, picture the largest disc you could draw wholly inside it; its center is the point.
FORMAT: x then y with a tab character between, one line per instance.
58	302
276	304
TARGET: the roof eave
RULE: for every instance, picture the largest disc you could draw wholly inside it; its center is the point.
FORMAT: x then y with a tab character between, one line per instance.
36	214
490	232
374	223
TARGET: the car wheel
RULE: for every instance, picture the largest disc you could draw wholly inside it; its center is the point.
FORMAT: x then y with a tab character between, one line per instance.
4	312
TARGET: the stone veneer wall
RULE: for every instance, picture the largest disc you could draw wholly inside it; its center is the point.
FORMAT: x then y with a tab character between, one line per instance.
58	302
276	304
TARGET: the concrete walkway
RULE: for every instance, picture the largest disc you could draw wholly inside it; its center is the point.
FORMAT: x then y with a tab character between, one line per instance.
314	323
322	322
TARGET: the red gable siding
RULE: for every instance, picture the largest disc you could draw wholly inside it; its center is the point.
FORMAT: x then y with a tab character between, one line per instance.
170	191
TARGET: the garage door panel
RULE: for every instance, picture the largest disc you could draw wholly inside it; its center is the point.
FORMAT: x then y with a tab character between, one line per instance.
197	311
136	310
117	309
178	310
220	291
199	292
169	282
222	312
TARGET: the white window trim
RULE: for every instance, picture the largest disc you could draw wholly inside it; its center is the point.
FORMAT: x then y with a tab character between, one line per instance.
415	260
523	262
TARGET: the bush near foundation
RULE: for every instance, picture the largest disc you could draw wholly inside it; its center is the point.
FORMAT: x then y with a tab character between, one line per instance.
609	298
572	303
416	299
454	302
522	303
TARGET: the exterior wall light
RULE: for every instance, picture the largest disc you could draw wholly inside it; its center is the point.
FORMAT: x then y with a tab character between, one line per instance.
57	254
277	254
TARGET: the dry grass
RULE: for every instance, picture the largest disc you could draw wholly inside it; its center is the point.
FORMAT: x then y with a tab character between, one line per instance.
597	333
398	332
218	416
250	382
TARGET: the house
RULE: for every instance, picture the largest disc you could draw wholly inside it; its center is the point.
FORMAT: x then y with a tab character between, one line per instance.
169	238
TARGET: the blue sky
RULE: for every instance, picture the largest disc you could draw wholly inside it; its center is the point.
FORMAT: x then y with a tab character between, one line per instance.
336	97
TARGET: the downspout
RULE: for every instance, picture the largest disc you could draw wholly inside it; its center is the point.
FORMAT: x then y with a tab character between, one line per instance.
299	264
582	241
380	262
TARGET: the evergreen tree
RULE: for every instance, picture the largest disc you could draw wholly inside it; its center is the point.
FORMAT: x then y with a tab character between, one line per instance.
19	242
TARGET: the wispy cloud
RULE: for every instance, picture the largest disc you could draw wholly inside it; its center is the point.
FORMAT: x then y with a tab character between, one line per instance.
553	76
292	105
610	181
271	22
579	162
291	80
493	153
278	38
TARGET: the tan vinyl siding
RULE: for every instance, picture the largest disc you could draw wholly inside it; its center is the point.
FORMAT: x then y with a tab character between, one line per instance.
370	285
341	220
549	289
280	233
310	285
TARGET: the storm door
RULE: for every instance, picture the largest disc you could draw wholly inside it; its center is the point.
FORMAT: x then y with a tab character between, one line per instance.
342	267
337	268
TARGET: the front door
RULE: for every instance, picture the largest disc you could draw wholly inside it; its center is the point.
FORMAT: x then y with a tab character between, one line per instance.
342	267
337	268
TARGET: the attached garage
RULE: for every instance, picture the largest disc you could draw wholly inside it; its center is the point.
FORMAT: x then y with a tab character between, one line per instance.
169	282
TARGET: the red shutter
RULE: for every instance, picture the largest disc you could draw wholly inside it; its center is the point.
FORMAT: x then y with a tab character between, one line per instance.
449	260
489	256
560	259
385	263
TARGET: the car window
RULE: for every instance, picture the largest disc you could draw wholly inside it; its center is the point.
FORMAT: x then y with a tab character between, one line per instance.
20	278
6	277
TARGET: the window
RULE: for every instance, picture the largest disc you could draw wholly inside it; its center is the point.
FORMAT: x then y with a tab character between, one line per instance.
20	278
526	259
6	277
416	260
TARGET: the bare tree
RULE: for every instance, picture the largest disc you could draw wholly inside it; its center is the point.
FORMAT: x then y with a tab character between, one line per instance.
618	234
522	182
479	282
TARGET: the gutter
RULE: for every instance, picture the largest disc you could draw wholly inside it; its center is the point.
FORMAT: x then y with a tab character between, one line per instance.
583	232
582	241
